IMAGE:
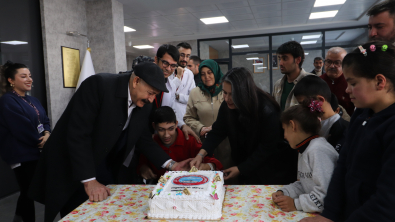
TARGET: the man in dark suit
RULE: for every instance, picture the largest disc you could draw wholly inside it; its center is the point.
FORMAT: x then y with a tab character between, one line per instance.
98	139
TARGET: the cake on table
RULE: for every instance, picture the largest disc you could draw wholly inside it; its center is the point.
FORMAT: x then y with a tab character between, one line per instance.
188	195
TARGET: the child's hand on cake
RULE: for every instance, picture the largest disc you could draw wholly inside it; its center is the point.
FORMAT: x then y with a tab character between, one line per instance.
147	173
183	165
286	203
204	166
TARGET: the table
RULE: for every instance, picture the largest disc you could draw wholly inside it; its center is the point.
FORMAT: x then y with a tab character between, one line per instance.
130	203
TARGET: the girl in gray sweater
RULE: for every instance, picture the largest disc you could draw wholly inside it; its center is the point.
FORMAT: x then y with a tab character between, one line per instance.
317	159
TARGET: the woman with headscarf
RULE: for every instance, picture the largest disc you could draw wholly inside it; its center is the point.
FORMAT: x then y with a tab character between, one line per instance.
203	105
250	118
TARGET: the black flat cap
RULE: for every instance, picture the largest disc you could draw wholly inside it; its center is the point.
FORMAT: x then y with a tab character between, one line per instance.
151	74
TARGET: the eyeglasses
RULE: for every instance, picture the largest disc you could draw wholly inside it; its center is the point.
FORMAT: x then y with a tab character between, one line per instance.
166	64
182	55
336	63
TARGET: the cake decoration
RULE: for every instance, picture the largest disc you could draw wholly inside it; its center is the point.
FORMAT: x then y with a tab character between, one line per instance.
215	196
186	191
217	178
162	179
193	169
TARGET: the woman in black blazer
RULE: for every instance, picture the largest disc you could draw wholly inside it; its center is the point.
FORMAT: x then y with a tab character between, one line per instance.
250	118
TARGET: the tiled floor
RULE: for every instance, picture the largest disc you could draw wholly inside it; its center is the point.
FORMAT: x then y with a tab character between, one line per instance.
7	209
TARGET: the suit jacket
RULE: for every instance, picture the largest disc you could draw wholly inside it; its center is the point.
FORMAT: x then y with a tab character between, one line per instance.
84	136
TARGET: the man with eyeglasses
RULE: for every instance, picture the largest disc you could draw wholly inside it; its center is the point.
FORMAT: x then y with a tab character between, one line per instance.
335	79
179	82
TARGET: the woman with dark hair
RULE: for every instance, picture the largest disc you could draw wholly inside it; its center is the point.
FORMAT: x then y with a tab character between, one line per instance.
203	105
24	129
250	118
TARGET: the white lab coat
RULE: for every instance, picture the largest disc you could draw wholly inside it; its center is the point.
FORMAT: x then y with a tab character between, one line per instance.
184	88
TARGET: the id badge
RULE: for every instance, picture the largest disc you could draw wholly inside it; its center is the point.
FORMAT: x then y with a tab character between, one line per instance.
40	128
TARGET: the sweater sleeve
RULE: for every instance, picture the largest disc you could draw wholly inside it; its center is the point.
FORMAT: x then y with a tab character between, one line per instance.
18	124
380	205
191	117
293	190
267	147
322	163
219	131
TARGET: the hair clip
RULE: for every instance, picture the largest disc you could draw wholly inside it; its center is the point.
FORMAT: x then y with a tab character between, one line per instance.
315	106
363	51
384	48
372	48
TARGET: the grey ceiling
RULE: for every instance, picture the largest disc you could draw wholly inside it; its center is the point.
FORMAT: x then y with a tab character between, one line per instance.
159	21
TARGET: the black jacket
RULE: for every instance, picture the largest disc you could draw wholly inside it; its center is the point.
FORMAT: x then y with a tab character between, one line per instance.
84	136
260	154
363	182
337	134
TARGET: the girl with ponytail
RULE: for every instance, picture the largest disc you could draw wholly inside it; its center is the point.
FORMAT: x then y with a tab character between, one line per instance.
317	158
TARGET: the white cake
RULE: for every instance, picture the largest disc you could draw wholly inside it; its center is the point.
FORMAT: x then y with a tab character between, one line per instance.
168	201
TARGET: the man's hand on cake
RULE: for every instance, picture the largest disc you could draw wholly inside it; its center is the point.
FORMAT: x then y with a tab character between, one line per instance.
147	173
286	203
231	172
188	131
96	191
318	218
182	166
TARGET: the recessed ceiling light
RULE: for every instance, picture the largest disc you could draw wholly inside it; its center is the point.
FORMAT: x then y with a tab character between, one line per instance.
311	36
214	20
308	42
261	67
143	46
327	14
306	53
320	3
252	58
15	42
128	29
240	46
257	64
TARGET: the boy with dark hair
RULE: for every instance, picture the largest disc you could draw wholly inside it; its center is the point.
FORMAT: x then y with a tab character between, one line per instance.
333	126
291	57
171	139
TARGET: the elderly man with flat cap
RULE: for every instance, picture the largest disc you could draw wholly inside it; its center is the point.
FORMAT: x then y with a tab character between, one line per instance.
98	139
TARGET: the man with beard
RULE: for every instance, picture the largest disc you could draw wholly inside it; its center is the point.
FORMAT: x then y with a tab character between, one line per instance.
93	143
318	63
291	57
193	65
168	59
382	21
335	79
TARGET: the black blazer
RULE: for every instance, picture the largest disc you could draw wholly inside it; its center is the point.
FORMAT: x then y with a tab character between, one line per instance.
261	157
85	134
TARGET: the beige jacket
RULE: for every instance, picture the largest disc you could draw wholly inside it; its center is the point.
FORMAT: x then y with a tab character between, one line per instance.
202	111
278	90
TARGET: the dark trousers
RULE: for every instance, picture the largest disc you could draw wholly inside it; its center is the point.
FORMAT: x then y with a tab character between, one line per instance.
25	206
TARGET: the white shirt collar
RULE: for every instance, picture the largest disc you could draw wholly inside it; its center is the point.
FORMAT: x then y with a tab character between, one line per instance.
130	102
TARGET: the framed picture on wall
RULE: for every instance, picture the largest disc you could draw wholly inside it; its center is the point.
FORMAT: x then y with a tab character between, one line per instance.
258	65
275	63
71	66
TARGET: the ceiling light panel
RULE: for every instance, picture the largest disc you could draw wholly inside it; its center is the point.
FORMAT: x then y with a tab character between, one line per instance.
308	42
321	3
143	46
15	42
240	46
128	29
214	20
311	36
327	14
252	58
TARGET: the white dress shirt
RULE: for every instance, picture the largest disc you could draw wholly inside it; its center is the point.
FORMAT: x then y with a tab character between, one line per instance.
128	159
